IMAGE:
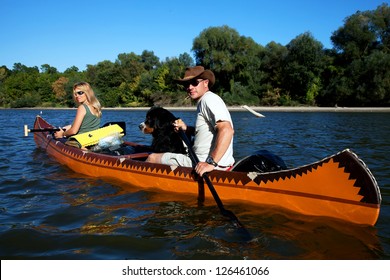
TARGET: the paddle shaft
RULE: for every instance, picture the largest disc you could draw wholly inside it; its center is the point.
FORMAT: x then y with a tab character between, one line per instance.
54	129
27	130
44	130
195	160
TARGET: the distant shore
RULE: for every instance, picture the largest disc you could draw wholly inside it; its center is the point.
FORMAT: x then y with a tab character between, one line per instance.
239	108
278	109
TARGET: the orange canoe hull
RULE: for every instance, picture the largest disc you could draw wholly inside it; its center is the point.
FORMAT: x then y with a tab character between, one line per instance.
340	186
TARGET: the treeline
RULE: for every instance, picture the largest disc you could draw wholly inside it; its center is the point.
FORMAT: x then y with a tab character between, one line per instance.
355	72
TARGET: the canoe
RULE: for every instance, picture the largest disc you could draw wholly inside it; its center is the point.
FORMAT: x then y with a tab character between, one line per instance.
339	186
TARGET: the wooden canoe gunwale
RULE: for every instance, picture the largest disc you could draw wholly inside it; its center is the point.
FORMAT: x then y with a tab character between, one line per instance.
356	200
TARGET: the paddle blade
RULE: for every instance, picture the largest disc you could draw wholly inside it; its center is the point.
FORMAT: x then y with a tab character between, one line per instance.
257	114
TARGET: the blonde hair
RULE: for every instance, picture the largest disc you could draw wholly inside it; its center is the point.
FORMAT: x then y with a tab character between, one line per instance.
91	98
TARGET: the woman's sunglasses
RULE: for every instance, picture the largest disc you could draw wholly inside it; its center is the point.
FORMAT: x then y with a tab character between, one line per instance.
79	92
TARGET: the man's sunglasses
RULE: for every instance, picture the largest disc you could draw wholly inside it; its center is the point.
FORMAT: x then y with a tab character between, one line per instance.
193	83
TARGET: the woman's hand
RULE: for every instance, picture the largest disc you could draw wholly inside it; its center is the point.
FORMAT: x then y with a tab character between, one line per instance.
59	134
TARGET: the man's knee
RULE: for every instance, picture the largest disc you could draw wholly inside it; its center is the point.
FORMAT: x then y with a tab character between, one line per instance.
154	158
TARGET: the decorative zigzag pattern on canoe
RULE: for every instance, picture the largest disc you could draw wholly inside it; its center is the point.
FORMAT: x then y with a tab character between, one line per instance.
352	171
349	168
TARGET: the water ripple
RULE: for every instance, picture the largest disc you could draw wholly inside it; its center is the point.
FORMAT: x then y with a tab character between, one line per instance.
50	212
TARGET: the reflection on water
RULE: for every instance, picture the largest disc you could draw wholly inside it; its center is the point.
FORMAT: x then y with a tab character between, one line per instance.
50	212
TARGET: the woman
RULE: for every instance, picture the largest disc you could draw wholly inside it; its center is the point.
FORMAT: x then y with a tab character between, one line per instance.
88	113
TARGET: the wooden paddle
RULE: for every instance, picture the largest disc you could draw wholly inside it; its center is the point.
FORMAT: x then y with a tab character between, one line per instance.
27	130
257	114
54	129
224	212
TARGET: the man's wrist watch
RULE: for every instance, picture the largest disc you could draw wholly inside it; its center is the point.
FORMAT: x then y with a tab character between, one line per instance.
210	160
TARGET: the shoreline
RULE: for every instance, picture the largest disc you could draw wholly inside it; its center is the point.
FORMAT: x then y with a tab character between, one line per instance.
297	109
235	108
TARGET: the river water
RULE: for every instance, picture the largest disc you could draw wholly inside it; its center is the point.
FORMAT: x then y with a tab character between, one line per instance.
50	212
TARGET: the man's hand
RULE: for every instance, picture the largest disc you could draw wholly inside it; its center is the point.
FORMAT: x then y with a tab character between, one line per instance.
203	167
179	124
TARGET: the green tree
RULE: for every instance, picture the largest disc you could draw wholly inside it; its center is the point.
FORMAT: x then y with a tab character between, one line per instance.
149	60
20	68
104	77
71	70
272	59
362	46
74	76
130	66
381	23
4	73
21	87
372	85
355	38
169	92
362	33
234	59
215	49
47	69
59	89
302	68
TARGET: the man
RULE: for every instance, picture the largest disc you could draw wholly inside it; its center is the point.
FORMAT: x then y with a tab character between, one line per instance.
213	131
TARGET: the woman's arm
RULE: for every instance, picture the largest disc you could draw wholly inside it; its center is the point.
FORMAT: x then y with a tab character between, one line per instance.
75	127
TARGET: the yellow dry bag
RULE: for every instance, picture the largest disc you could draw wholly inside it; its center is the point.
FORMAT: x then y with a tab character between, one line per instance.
92	137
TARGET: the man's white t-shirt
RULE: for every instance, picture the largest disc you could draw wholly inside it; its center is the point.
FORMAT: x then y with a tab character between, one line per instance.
210	110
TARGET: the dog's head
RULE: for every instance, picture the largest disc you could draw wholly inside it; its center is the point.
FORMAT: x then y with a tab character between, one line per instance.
159	123
157	118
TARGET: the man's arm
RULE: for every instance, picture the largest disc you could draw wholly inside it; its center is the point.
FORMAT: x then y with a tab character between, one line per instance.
225	134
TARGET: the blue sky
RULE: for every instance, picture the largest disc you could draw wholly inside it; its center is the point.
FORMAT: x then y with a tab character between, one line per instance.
76	32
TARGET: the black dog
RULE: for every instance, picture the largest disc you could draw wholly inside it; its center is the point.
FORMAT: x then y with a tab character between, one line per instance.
159	123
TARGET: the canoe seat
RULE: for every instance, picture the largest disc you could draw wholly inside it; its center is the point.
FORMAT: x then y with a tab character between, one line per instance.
141	156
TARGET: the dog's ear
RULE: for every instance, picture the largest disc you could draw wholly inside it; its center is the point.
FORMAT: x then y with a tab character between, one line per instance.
157	123
151	117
